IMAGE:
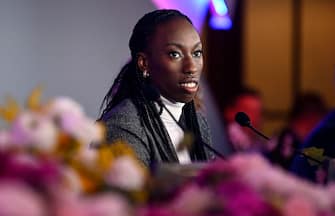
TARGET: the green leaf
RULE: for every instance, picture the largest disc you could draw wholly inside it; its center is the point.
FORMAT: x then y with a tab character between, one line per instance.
316	154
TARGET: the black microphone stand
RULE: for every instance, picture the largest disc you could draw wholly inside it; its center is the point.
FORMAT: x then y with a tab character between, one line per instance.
295	150
244	120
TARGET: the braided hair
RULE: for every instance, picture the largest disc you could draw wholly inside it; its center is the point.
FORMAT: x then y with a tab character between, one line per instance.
130	82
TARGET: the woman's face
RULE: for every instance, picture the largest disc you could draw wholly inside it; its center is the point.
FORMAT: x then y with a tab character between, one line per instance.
174	60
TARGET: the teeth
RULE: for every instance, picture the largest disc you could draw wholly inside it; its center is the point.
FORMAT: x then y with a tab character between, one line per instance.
189	84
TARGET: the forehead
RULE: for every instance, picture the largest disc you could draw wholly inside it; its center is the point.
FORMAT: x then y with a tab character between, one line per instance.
177	30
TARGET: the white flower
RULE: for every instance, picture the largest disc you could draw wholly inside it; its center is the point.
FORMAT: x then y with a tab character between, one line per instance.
64	105
70	117
34	129
87	156
72	180
87	131
126	174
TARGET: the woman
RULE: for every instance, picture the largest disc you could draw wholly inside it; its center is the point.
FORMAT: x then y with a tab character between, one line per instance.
167	58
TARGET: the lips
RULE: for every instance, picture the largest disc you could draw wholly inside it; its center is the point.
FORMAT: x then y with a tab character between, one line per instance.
190	85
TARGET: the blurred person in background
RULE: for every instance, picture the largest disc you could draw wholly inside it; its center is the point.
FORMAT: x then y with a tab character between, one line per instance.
242	139
322	140
307	111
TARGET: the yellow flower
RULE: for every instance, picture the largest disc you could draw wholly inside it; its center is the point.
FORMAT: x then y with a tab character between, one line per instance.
10	110
34	99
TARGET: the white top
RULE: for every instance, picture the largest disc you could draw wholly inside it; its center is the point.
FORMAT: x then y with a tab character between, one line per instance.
175	132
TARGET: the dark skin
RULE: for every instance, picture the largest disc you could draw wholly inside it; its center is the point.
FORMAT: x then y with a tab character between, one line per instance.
174	60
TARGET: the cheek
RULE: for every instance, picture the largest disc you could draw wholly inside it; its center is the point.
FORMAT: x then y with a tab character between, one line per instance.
164	70
201	65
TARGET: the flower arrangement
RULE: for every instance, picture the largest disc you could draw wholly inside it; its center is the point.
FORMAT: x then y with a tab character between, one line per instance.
55	161
49	162
246	184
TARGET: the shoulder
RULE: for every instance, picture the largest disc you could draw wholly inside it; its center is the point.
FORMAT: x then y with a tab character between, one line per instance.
124	112
202	120
123	122
123	119
204	127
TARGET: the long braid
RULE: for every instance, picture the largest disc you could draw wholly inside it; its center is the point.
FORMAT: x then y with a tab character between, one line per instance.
130	84
197	150
116	93
148	111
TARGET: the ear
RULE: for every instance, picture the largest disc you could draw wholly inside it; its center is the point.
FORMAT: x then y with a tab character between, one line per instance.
142	62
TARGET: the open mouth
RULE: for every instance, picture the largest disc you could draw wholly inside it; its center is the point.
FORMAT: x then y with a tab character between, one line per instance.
190	86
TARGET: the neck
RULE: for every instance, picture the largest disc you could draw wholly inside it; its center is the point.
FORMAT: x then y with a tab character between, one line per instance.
175	108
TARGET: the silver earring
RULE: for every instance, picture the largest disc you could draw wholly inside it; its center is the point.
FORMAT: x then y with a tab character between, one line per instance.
145	74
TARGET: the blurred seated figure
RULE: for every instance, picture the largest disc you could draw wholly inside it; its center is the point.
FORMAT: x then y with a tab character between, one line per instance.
321	138
307	111
246	100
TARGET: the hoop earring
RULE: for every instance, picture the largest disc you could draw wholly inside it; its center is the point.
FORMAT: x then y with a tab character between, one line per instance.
145	74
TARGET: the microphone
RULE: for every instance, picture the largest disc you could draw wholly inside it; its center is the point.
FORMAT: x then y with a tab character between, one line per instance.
243	120
154	95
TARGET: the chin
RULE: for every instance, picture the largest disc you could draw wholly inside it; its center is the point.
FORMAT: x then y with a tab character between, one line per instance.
186	99
180	98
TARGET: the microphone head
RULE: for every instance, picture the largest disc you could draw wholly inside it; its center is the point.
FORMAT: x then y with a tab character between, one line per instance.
242	119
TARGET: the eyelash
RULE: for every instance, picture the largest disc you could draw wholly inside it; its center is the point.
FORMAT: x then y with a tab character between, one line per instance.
197	53
173	54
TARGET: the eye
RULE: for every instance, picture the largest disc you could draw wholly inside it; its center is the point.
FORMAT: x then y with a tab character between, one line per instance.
198	53
174	54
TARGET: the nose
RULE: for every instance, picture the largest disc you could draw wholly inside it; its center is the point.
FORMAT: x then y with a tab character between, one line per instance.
190	66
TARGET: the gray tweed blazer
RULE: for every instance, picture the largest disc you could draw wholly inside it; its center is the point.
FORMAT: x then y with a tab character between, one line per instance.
123	122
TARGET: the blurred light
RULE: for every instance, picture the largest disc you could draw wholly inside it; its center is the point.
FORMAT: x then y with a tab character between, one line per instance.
219	17
220	22
220	7
196	10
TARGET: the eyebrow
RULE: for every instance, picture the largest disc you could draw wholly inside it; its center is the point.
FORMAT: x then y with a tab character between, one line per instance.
180	46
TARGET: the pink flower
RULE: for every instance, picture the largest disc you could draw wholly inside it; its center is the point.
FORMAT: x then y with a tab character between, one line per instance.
239	199
298	204
40	174
66	204
157	211
5	140
18	199
266	179
108	204
102	204
193	200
